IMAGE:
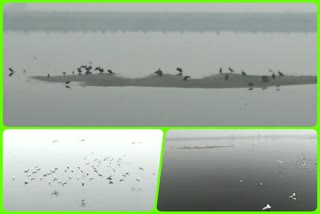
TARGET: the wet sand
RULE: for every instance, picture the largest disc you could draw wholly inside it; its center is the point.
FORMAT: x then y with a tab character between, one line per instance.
176	81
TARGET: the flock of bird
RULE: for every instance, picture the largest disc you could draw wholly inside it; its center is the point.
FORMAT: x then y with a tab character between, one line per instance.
88	69
302	163
113	170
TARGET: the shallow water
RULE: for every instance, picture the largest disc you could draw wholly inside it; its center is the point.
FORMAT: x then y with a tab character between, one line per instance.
228	178
25	149
136	54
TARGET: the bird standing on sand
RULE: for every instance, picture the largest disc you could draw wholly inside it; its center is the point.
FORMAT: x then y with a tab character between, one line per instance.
243	73
280	74
159	72
186	78
67	82
180	71
64	73
273	76
101	70
79	70
226	77
230	69
220	71
110	71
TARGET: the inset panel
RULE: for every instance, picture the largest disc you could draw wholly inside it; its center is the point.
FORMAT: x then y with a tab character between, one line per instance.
230	170
81	170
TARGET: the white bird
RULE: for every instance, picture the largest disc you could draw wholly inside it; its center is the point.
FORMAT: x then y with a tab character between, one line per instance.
280	162
13	178
241	181
260	184
138	179
49	182
268	207
293	196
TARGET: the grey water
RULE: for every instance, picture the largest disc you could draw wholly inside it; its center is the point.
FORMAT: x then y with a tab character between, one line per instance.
246	176
135	54
31	152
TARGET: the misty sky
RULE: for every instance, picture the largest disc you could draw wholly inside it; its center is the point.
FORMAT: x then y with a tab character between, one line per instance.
217	133
171	7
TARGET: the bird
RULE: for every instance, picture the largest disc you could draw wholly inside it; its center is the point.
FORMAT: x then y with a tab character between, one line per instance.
180	71
250	89
26	182
226	77
110	71
79	71
68	87
13	178
280	74
293	196
220	70
230	69
159	72
55	141
101	70
273	76
260	184
186	78
11	72
267	207
64	73
24	69
83	203
140	168
243	73
138	179
250	84
48	75
241	181
67	82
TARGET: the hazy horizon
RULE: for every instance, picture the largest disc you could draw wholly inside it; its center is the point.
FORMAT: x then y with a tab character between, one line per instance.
169	7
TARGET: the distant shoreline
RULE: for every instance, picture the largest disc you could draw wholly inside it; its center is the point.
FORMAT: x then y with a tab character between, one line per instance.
204	147
27	21
176	81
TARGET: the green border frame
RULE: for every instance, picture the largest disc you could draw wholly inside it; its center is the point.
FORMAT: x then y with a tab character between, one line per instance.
3	127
